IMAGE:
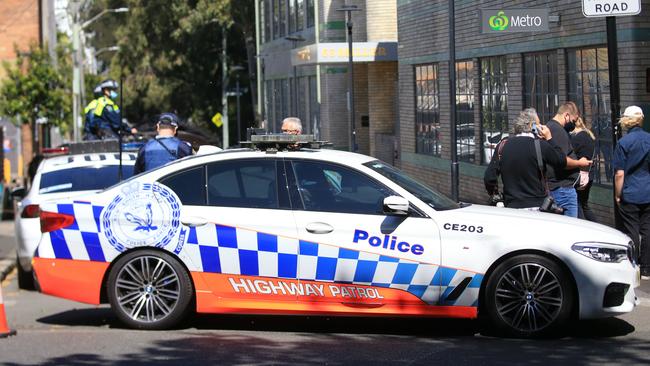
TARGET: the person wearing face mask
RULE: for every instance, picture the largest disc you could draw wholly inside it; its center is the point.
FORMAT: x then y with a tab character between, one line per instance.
107	113
561	181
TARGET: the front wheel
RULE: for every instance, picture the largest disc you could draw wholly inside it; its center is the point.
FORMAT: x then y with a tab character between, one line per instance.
149	289
528	296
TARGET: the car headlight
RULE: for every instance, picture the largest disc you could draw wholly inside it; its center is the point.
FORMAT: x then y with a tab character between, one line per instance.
603	252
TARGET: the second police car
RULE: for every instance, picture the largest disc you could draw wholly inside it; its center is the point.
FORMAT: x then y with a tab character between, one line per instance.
314	231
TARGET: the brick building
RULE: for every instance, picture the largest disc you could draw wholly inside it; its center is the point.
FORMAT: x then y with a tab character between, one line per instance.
500	74
22	22
308	38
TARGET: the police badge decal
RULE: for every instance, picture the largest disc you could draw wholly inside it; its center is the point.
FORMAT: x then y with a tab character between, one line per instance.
143	215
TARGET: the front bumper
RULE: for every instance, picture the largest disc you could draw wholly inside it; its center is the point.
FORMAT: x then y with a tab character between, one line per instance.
599	285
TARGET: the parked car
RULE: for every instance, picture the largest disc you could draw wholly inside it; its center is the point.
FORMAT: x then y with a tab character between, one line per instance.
279	229
60	176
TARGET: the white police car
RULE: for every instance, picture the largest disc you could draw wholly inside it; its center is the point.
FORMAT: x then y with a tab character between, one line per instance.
313	231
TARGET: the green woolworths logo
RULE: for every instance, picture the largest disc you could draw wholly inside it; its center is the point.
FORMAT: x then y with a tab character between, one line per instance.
499	22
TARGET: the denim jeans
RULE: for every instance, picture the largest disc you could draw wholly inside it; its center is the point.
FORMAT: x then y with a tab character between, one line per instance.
567	198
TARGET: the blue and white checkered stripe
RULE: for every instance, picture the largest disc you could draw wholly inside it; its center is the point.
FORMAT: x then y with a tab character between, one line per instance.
86	229
236	251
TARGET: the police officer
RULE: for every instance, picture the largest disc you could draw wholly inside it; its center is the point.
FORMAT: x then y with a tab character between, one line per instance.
162	149
107	113
90	125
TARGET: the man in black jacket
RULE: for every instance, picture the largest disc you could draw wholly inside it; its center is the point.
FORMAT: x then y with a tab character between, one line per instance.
562	182
516	161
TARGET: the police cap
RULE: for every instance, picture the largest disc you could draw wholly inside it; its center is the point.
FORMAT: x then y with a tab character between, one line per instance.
169	119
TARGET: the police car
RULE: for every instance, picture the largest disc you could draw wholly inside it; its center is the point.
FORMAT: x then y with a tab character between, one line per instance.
287	228
62	174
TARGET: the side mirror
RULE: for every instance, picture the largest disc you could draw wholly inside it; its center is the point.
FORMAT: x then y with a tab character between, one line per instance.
397	205
18	193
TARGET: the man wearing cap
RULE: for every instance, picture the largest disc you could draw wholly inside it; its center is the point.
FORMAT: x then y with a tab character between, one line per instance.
632	184
162	149
90	123
107	113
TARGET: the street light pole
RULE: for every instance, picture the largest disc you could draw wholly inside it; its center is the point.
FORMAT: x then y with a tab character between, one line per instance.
238	112
76	80
224	89
455	179
348	9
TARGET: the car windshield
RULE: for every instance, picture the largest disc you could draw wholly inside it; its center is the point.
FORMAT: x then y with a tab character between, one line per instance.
89	178
429	196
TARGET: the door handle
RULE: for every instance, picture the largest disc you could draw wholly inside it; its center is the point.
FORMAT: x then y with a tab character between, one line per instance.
193	221
319	228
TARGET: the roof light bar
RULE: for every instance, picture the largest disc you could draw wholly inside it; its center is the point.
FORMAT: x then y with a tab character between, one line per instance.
276	142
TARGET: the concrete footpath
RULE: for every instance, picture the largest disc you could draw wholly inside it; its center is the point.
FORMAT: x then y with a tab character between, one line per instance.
7	248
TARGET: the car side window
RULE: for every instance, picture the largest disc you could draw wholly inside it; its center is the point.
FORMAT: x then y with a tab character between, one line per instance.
334	188
189	185
243	183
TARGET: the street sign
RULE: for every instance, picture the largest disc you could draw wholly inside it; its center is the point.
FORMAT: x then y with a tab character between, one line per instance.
511	20
217	119
610	8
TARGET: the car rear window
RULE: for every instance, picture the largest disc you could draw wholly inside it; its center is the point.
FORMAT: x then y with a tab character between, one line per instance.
82	178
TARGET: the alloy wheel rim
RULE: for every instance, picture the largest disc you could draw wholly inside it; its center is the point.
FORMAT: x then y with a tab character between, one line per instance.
529	297
147	289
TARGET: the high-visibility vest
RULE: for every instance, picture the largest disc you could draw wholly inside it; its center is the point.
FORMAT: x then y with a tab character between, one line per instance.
102	102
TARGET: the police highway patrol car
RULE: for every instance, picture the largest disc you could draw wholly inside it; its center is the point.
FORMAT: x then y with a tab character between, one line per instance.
285	227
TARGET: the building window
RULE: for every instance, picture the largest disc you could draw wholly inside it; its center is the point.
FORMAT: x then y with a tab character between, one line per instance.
301	108
268	105
283	18
588	87
540	84
310	13
300	16
276	18
427	110
292	16
279	96
314	107
494	104
267	20
465	140
286	96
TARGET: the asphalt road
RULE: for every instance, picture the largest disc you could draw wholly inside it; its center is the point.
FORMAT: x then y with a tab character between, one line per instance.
53	331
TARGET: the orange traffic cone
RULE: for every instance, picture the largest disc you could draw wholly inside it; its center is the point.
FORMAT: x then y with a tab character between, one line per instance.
4	327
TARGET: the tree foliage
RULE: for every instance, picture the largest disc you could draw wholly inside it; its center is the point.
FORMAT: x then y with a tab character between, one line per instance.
35	87
170	55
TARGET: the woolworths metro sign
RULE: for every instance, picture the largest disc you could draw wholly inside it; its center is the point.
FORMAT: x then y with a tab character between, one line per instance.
513	20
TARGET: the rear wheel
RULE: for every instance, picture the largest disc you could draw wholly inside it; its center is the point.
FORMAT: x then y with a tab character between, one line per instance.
528	296
149	289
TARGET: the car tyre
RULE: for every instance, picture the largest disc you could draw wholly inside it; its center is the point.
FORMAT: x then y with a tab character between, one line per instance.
25	278
528	296
149	289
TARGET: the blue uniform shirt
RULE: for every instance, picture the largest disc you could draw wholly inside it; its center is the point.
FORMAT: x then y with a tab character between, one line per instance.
160	151
632	155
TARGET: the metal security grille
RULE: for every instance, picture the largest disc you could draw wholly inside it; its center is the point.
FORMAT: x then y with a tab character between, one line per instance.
465	125
541	84
588	86
494	104
427	110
